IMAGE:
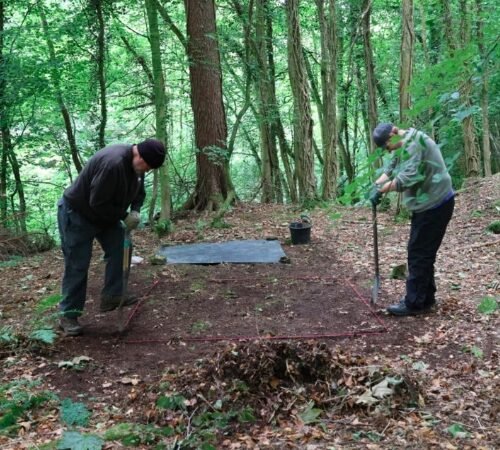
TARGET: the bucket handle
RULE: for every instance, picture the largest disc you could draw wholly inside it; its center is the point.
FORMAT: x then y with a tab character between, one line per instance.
304	218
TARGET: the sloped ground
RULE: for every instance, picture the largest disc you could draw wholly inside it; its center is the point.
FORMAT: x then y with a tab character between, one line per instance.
423	382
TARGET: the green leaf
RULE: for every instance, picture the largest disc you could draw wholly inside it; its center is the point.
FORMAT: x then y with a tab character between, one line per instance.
76	441
420	366
459	116
246	415
174	402
119	431
310	413
74	413
48	303
457	431
476	351
47	336
488	305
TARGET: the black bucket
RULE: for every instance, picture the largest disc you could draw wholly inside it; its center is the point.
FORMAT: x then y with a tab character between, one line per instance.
300	232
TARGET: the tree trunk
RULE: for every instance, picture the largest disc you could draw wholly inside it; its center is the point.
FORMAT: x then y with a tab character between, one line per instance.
406	67
211	189
20	216
101	70
448	27
370	72
160	102
271	186
302	143
468	129
56	82
484	90
328	32
4	122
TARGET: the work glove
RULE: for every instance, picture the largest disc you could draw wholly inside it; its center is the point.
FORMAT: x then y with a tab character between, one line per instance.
132	220
375	196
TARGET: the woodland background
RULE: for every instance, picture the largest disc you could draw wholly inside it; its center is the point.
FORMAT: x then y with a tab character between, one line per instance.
265	108
256	100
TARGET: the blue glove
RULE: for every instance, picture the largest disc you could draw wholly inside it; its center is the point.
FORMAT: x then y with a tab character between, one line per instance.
375	196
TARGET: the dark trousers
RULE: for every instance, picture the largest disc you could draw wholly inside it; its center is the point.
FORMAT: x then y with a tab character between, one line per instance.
426	234
77	237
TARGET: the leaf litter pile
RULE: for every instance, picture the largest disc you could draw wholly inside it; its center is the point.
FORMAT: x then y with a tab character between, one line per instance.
429	382
285	386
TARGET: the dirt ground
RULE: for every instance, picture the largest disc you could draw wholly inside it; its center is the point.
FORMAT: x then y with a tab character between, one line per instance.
192	313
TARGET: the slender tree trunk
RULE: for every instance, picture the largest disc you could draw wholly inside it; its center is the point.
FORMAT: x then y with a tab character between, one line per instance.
302	144
271	186
160	101
4	122
370	72
277	125
209	115
484	90
56	82
406	67
14	164
328	32
101	70
468	130
448	27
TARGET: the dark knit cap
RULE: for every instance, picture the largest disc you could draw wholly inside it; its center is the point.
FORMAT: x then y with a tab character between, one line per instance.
152	151
382	133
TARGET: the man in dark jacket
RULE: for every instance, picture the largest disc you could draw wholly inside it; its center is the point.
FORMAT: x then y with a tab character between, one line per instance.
95	207
418	170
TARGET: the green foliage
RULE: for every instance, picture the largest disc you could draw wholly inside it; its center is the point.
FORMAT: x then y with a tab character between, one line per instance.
371	435
163	227
7	337
219	223
74	413
200	326
13	261
403	215
488	305
310	414
135	434
48	303
458	431
16	401
476	351
43	335
216	155
200	226
78	441
173	402
246	415
494	227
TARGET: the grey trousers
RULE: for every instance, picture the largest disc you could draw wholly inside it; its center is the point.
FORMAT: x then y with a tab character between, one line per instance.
77	237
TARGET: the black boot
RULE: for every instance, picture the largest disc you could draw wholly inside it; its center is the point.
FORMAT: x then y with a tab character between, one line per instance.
111	302
402	309
70	326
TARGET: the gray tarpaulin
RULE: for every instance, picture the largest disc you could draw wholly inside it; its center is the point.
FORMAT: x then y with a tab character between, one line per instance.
261	251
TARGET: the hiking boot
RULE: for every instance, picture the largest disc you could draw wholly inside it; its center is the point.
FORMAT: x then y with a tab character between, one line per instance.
70	326
401	309
111	302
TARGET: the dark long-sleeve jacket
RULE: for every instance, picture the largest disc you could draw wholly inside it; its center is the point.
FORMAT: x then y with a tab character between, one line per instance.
107	186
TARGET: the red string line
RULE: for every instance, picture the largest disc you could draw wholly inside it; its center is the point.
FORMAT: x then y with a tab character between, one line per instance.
361	332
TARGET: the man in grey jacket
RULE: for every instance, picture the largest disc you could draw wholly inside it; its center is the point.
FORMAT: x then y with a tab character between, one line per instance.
418	170
93	207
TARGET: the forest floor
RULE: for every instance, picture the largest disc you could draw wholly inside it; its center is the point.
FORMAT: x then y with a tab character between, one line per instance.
264	356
